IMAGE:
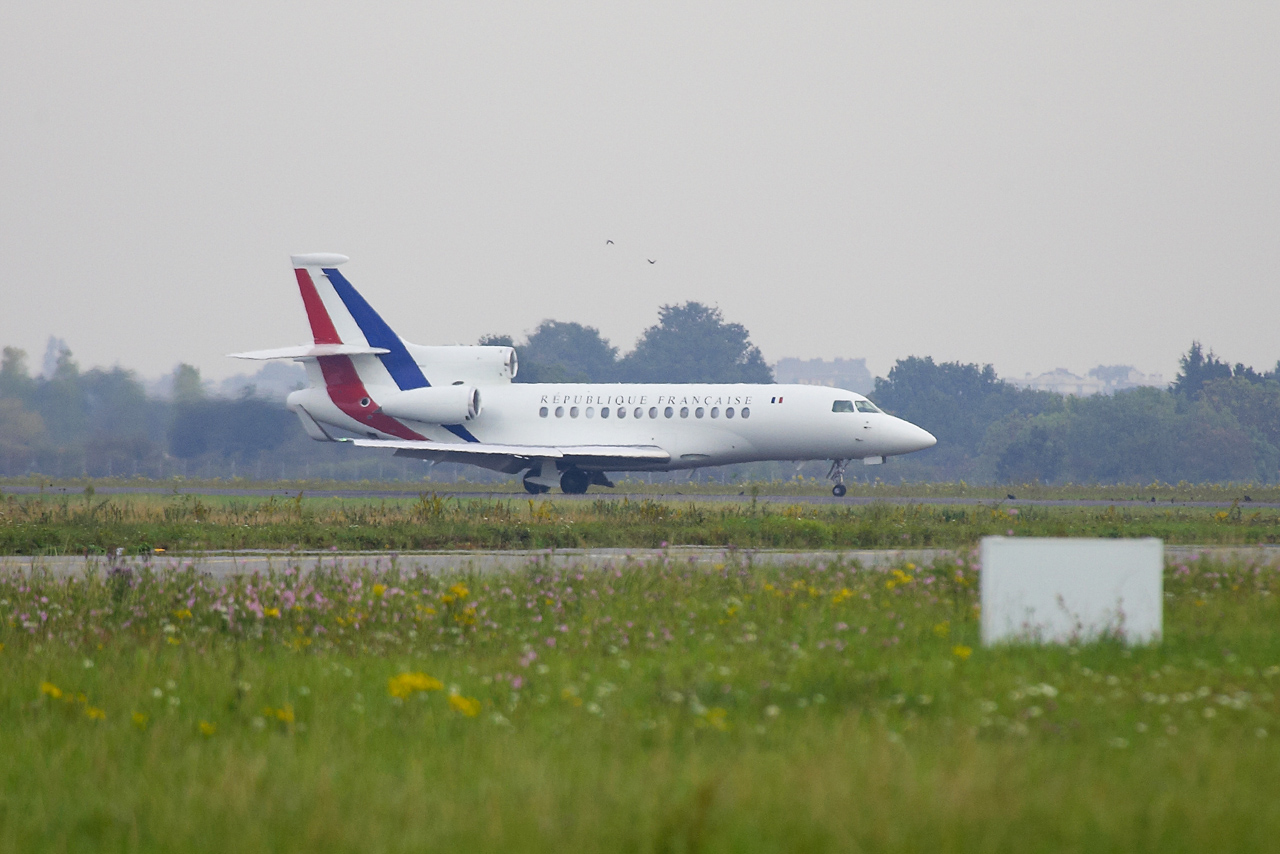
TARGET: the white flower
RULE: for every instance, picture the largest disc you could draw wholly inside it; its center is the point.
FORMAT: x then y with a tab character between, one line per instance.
772	711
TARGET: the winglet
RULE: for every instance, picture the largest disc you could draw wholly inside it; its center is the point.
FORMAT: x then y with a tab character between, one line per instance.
318	259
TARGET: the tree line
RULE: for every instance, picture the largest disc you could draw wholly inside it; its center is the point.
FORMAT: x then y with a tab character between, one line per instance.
1216	422
689	343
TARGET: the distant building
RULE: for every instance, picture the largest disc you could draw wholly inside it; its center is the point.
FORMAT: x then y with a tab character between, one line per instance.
841	373
1104	379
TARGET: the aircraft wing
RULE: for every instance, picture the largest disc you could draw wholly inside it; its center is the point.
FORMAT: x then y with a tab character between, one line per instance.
475	452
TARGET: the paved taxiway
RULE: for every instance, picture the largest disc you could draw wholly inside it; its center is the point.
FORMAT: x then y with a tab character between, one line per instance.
227	564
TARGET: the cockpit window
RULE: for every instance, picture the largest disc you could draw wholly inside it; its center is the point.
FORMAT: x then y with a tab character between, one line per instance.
867	406
842	406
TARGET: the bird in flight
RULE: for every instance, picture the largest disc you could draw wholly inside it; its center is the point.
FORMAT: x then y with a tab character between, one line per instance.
609	242
651	261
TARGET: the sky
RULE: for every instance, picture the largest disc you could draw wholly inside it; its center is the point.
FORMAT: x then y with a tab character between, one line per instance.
1029	185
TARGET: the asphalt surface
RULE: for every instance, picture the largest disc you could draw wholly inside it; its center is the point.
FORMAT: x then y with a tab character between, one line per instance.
635	496
228	564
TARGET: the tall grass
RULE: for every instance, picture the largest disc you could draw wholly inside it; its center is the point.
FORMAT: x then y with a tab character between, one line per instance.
86	523
798	486
655	707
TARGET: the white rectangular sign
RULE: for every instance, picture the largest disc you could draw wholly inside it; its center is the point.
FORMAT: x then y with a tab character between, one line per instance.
1050	590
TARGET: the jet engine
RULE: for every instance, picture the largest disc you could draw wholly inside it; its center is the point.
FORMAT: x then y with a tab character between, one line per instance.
451	404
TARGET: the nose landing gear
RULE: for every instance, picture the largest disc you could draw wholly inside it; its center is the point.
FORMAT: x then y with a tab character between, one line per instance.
837	474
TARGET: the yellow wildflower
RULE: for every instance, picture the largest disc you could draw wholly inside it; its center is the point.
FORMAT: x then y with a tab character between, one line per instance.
172	641
183	614
460	590
845	593
899	577
207	728
93	713
466	705
942	629
406	684
140	720
379	590
448	599
284	714
271	612
962	652
50	689
716	717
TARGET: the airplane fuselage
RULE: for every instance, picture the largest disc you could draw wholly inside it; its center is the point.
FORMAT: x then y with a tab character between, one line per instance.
697	424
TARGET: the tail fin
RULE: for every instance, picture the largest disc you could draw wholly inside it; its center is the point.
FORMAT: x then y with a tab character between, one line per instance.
340	316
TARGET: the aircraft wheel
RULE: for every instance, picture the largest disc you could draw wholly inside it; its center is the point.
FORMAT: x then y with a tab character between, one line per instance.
839	490
575	482
534	488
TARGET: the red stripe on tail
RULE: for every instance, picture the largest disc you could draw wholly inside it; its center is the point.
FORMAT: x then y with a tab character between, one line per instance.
321	323
347	392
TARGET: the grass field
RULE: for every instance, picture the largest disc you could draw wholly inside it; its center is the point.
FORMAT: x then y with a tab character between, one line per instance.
648	707
88	523
637	485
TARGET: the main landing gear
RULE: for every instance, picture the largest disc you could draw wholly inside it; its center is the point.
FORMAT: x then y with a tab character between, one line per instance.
575	481
837	474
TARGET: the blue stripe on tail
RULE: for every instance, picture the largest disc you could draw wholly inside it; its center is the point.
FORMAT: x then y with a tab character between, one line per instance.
403	369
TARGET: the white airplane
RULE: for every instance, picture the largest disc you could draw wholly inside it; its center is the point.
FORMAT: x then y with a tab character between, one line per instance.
458	404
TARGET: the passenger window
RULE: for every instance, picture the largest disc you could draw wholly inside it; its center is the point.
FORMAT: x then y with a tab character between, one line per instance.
559	412
542	412
604	412
746	412
639	413
715	412
653	412
591	412
697	413
668	412
573	412
622	412
684	412
867	406
842	406
728	413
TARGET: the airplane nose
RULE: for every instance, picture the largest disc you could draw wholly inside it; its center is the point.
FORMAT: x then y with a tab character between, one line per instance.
908	437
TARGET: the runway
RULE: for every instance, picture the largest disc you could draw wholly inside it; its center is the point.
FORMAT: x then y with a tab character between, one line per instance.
224	565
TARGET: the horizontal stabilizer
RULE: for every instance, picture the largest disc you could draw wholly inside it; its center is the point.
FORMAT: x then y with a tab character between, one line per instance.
647	453
311	351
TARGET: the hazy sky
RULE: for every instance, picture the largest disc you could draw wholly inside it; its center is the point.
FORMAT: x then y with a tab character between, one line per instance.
1032	185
